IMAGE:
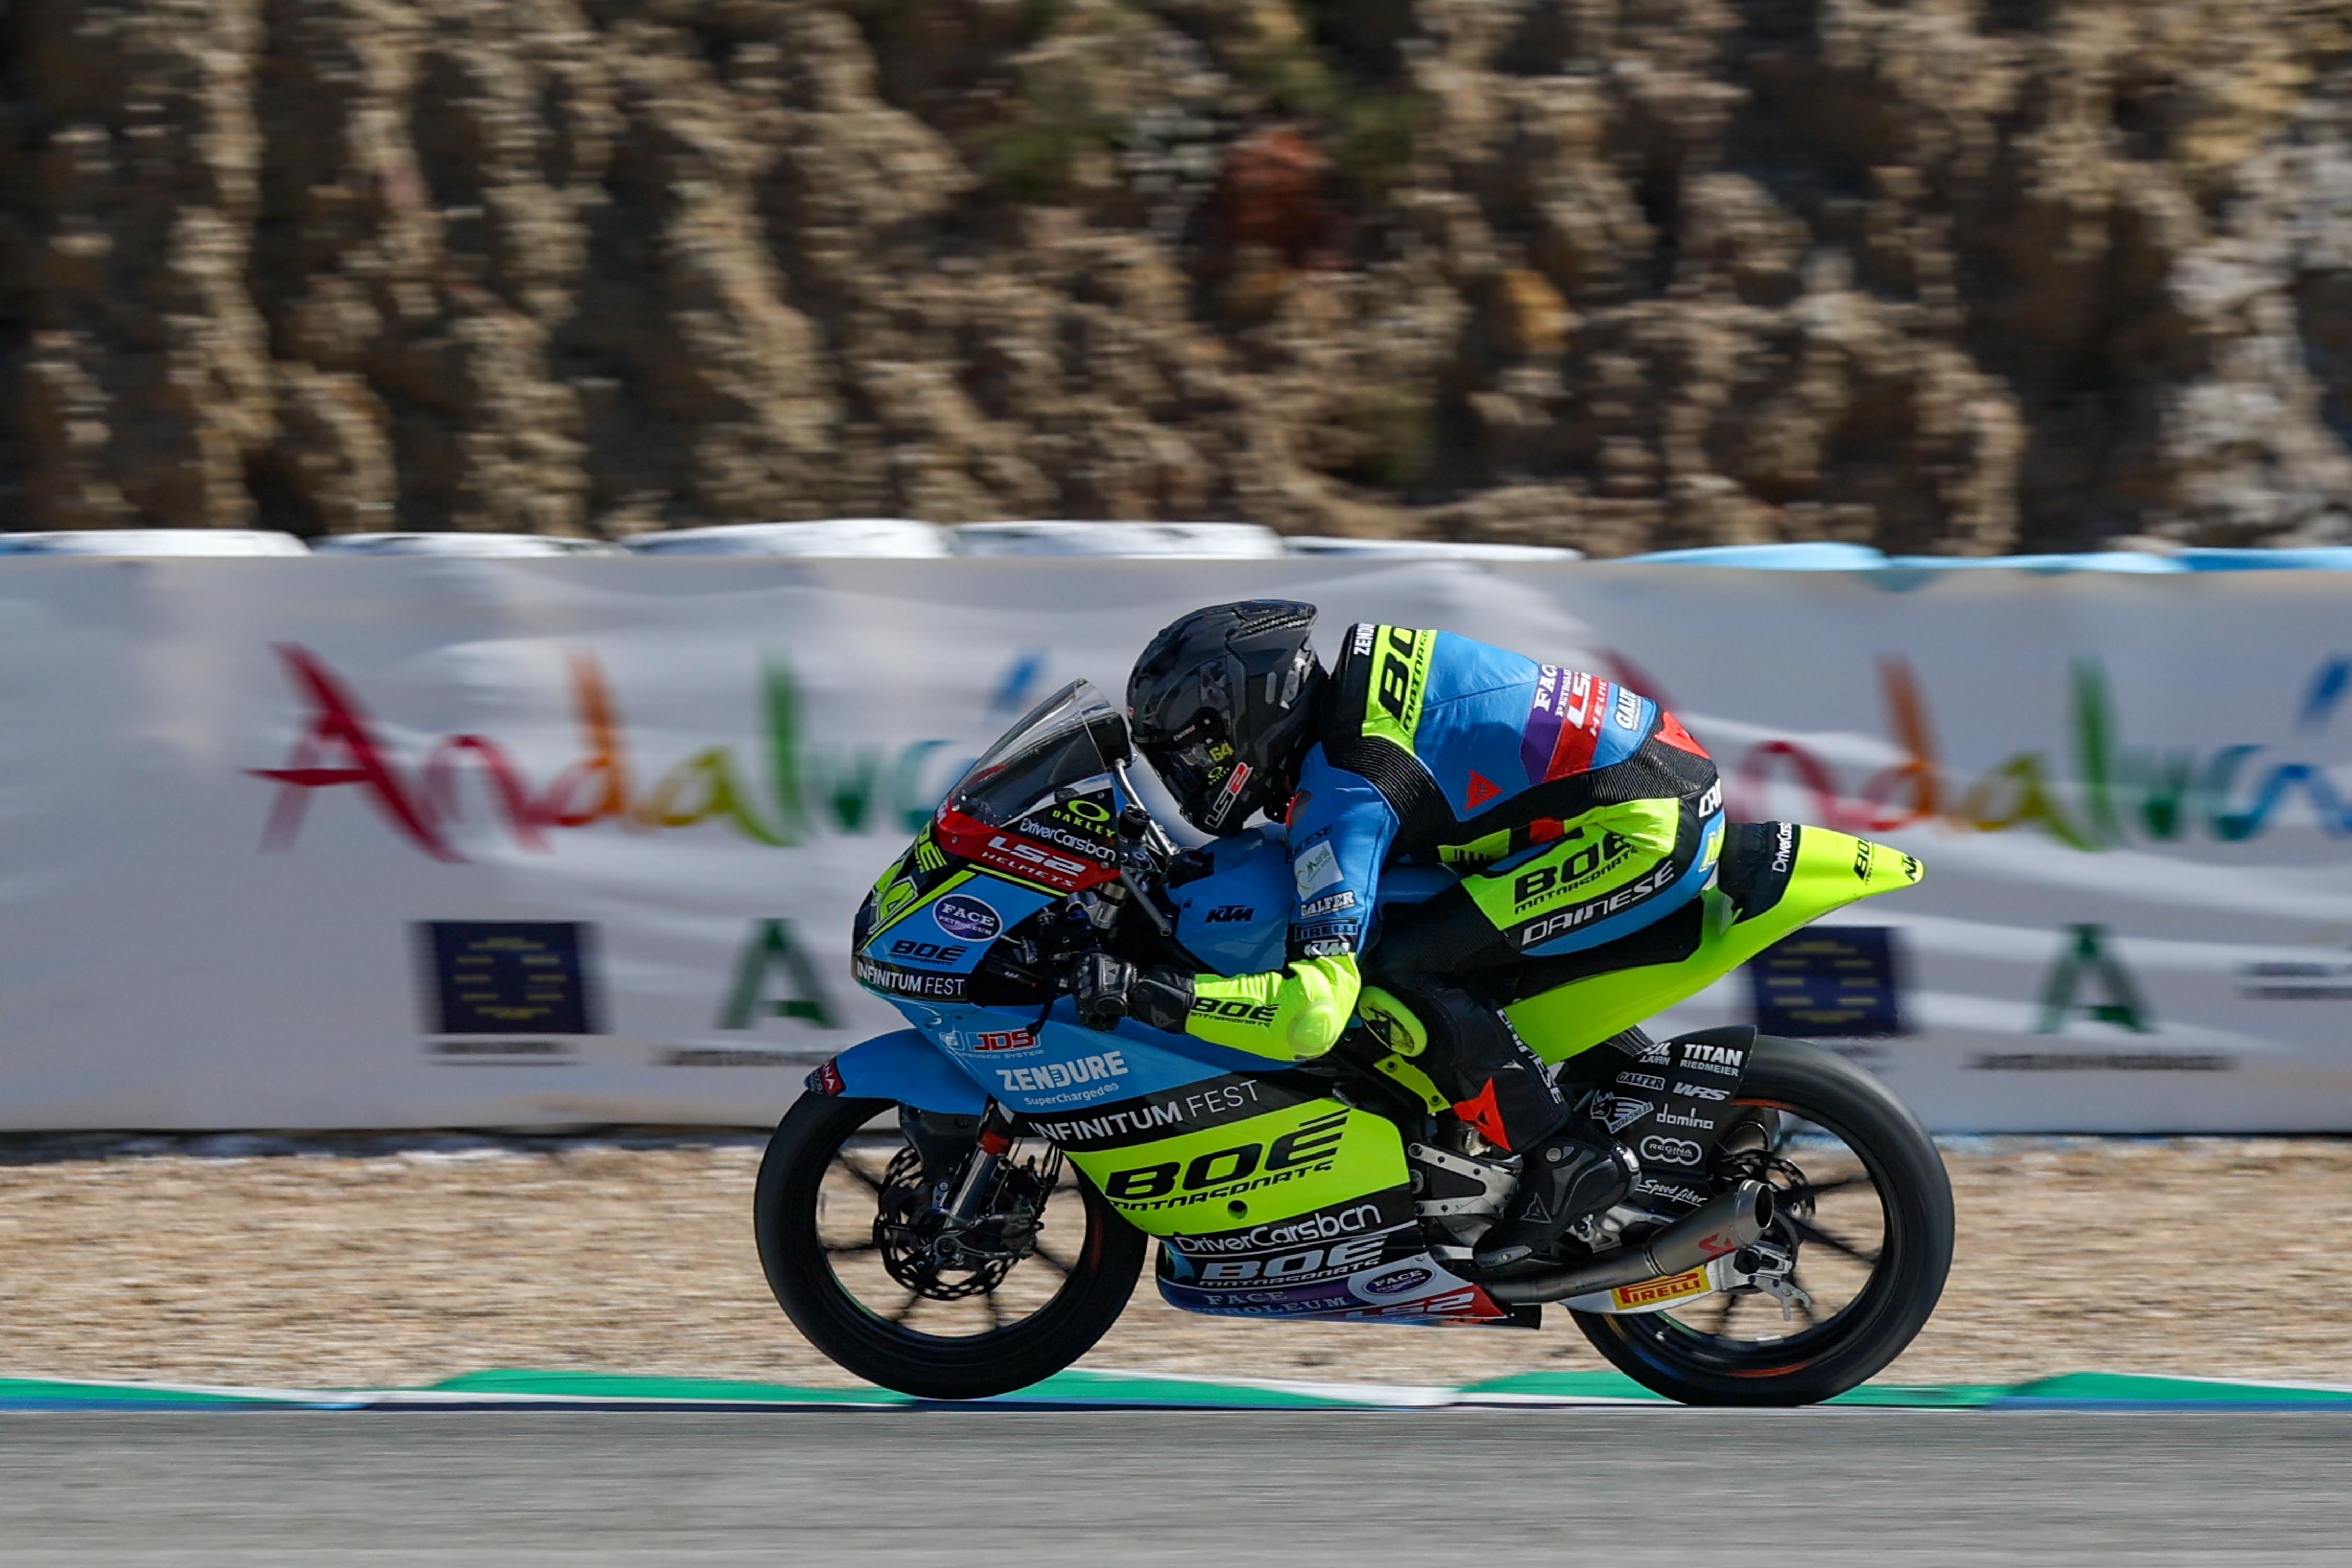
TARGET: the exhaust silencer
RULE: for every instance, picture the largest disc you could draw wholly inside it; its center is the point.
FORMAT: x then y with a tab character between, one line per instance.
1725	1225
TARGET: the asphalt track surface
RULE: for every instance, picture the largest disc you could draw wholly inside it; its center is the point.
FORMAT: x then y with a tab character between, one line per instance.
1613	1486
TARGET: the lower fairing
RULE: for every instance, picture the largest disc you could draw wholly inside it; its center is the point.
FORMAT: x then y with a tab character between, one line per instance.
1357	1262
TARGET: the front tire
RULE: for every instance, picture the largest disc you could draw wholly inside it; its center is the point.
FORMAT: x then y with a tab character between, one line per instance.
1905	1272
810	1145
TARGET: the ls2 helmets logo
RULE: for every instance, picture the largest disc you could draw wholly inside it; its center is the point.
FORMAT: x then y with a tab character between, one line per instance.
1671	1151
1396	1281
961	914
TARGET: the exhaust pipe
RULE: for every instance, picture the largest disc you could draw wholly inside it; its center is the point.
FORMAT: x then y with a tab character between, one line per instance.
1725	1225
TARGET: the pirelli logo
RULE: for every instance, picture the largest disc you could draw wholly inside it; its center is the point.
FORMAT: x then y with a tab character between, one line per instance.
1653	1292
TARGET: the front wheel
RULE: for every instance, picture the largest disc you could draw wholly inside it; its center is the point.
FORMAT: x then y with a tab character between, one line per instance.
1865	1207
839	1220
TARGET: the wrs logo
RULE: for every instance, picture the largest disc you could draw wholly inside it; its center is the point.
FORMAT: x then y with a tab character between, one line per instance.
791	793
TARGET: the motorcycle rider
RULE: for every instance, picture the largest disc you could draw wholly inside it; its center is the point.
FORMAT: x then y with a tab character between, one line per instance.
1572	810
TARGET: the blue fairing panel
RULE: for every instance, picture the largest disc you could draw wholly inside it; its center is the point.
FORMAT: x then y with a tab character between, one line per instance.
1235	918
905	1067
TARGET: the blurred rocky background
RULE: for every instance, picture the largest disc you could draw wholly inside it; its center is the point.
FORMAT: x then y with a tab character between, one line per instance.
1965	276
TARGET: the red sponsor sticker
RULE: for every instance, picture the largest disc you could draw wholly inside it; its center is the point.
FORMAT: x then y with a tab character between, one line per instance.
1587	703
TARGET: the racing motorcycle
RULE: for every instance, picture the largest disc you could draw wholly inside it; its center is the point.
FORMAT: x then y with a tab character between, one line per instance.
962	1207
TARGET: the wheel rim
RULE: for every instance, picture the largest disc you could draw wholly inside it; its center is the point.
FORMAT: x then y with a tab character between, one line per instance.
884	1261
1833	1192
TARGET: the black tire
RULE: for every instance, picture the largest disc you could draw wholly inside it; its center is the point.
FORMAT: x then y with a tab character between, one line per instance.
1906	1275
929	1366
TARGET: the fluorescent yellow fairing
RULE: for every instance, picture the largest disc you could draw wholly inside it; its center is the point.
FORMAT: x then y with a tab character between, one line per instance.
1830	870
1290	1014
1285	1163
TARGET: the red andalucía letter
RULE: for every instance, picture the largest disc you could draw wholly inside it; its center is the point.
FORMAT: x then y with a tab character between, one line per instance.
337	719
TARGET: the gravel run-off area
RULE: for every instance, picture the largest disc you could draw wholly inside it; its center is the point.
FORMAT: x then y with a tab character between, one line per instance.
360	1261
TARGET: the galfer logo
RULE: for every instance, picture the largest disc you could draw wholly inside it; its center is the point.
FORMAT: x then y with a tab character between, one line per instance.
1671	1151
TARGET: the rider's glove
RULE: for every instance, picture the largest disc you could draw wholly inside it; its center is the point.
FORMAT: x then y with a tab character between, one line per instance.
1107	989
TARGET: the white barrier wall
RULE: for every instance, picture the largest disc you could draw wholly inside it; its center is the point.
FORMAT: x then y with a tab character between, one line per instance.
375	843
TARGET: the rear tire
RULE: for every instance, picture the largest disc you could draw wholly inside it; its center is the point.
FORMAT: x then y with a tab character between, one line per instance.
929	1366
1905	1280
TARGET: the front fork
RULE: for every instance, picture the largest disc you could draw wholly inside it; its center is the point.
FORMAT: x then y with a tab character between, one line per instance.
980	1170
971	1147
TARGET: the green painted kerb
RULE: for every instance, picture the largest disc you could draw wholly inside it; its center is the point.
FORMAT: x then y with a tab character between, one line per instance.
1101	1390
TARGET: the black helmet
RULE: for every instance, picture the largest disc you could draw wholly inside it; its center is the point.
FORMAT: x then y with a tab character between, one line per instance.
1223	702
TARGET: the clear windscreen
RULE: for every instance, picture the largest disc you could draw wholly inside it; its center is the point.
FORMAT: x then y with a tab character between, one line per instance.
1074	735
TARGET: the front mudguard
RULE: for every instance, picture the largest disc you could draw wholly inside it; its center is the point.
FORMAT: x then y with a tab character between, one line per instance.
903	1066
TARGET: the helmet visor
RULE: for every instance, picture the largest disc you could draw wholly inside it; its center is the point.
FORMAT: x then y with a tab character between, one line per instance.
1193	766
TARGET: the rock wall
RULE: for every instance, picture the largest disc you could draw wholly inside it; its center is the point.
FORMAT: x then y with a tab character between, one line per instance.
1969	275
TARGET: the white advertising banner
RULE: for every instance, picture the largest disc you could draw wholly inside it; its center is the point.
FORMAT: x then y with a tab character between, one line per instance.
431	842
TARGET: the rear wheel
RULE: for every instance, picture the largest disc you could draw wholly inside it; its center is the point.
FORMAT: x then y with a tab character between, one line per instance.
1866	1208
845	1241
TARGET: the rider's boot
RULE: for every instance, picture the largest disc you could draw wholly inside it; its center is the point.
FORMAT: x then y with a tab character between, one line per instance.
1504	1090
1561	1179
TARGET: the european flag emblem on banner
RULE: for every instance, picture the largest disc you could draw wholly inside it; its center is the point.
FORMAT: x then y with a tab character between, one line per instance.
1830	983
507	977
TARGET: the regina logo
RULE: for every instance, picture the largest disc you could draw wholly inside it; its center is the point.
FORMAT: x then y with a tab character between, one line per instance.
961	914
1671	1151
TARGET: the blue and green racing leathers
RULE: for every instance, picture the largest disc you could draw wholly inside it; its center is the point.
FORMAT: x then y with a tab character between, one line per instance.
1541	813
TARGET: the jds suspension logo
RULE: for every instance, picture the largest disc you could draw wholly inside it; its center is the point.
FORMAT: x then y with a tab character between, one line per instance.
785	790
